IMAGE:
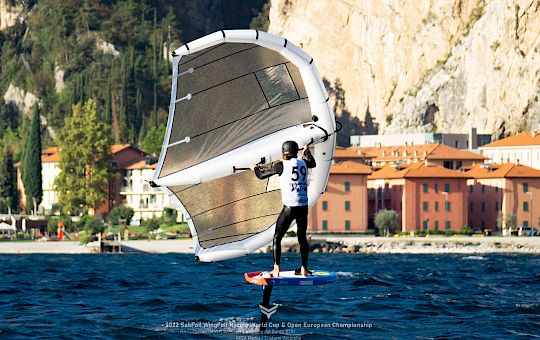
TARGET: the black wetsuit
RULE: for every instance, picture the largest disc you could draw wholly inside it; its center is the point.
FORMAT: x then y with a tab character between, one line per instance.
289	214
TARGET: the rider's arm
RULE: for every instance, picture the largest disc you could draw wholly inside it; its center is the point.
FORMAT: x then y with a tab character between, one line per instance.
265	171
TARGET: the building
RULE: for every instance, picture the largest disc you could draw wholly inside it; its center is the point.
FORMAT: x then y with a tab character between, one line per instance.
129	186
523	148
343	207
470	141
146	202
438	154
425	196
507	188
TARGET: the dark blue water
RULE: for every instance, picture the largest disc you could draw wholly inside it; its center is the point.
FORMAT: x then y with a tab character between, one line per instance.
171	296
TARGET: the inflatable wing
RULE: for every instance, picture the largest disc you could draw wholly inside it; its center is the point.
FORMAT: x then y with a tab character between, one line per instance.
237	95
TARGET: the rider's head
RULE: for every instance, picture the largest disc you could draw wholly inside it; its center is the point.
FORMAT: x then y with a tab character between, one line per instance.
289	149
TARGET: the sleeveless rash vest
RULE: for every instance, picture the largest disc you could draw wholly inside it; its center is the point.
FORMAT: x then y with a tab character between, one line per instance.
294	182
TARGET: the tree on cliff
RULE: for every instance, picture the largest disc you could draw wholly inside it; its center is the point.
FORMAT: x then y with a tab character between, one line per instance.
85	163
386	221
31	162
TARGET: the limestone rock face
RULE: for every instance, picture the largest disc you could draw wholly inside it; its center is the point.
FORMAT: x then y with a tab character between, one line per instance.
9	15
425	65
22	99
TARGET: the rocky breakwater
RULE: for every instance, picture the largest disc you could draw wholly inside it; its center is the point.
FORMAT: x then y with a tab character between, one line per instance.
417	245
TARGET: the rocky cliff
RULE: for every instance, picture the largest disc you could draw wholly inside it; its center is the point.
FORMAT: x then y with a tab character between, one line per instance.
425	65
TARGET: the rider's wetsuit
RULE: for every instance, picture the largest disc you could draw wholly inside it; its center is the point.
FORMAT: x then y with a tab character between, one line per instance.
294	185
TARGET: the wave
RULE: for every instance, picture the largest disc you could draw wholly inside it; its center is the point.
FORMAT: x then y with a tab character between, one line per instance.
348	274
474	257
371	281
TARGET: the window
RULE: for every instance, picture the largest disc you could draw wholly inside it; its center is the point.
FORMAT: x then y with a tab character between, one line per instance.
456	144
424	187
471	188
347	206
483	188
447	206
436	206
436	225
496	205
347	225
496	189
471	206
483	206
425	224
447	187
436	187
386	187
324	225
525	223
525	206
525	187
447	164
347	186
425	206
325	205
447	225
459	164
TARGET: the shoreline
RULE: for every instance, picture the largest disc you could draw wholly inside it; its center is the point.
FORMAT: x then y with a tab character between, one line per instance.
319	244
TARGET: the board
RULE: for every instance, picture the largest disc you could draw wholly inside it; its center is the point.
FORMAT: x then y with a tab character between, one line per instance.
288	278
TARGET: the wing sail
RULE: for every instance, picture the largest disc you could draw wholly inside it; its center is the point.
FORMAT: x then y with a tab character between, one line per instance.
236	96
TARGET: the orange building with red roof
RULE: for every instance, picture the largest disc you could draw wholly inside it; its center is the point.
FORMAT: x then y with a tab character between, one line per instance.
425	196
505	188
343	207
438	154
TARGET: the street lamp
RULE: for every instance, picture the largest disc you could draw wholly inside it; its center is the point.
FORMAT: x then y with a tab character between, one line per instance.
531	208
445	193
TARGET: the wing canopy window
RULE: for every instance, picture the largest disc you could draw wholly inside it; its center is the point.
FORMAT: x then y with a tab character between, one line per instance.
277	85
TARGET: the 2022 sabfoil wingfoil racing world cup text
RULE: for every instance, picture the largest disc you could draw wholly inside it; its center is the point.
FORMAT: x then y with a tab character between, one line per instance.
236	96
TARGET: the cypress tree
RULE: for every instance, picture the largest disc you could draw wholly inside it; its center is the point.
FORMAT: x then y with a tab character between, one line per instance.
31	162
8	180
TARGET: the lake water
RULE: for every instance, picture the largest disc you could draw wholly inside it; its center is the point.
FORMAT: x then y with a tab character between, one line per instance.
171	296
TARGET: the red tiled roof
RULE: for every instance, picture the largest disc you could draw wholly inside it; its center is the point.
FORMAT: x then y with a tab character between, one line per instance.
521	139
349	167
52	154
416	170
505	170
401	152
141	165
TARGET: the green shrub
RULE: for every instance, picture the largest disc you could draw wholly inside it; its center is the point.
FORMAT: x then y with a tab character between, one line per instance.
85	237
449	232
169	216
91	224
386	221
151	225
466	231
121	212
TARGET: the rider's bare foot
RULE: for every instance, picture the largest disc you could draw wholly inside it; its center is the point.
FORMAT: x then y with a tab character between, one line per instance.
304	271
275	271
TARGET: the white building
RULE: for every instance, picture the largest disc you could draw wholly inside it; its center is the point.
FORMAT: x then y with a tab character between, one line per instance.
147	202
523	148
470	141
